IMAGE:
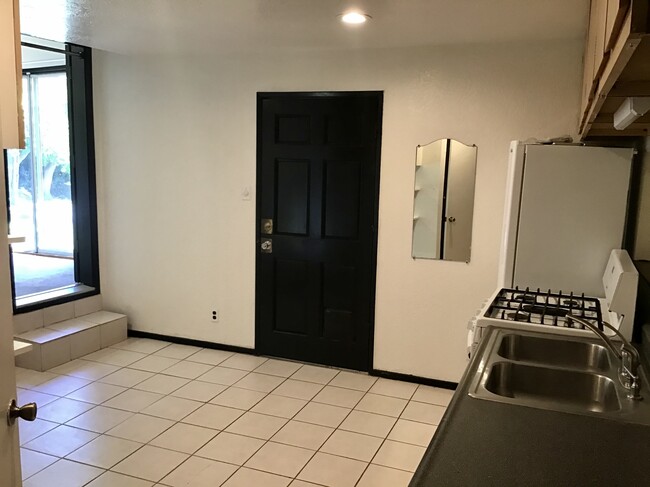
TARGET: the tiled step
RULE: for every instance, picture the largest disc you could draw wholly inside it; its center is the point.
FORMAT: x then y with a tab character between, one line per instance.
61	342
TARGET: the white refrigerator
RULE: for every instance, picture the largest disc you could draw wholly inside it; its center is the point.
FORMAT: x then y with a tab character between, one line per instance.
566	208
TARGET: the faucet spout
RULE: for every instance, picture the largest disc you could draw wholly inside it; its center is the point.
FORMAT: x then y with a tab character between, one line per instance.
627	355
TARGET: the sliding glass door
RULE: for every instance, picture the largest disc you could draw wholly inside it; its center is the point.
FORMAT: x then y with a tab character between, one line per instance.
39	184
39	175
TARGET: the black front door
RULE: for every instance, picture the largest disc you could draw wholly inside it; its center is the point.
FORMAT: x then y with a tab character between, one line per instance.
317	205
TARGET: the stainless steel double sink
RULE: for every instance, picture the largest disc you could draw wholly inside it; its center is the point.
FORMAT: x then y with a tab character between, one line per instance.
555	372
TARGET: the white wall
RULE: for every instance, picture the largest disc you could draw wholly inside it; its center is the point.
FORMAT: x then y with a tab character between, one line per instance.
176	144
642	242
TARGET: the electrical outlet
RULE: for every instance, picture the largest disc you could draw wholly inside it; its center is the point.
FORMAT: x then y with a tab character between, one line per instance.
215	316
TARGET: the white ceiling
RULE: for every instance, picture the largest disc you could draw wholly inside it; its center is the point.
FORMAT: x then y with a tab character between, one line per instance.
240	25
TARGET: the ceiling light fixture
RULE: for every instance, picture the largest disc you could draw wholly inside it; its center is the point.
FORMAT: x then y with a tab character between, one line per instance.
354	18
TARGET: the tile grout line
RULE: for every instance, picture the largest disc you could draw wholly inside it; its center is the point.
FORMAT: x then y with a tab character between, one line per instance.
267	441
239	467
34	473
292	418
219	431
207	402
384	440
227	387
334	430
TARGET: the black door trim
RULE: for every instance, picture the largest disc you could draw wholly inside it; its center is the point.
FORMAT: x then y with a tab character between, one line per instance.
378	96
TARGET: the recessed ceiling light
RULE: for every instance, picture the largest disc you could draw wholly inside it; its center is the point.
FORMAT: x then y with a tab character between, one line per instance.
354	18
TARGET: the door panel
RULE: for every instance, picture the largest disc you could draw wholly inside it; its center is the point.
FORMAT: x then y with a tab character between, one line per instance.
291	293
292	190
292	129
342	199
318	160
339	297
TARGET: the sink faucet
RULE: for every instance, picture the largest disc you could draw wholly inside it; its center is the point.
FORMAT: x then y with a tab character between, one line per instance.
628	372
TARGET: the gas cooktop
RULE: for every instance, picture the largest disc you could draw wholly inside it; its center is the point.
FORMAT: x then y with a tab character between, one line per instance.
545	308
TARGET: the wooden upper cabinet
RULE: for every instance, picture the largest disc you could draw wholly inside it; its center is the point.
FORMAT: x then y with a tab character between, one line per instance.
592	52
616	10
616	65
12	133
599	21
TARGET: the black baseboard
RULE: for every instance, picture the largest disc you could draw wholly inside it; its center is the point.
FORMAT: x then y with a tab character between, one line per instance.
442	384
190	341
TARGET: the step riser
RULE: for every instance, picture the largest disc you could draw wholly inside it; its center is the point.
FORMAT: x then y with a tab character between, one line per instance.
75	344
113	332
33	320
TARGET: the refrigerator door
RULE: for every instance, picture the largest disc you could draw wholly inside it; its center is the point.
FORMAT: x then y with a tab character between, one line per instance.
572	211
511	214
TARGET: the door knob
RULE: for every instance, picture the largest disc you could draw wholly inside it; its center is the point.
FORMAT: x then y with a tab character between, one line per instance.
267	246
27	412
451	219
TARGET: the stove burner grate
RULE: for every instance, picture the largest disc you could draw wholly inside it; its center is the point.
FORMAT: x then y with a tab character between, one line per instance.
524	298
545	308
518	316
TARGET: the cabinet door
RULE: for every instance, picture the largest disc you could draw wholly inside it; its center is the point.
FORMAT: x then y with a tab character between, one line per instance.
461	179
616	10
605	18
11	115
599	22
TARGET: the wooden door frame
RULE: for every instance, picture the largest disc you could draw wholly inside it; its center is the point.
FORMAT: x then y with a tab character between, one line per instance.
378	96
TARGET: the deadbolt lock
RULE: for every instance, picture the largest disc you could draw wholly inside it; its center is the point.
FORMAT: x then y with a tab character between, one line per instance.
267	226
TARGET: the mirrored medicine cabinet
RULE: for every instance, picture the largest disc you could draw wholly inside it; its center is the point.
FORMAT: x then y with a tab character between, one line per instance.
443	208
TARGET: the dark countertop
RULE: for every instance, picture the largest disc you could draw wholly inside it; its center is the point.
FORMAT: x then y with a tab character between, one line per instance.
486	443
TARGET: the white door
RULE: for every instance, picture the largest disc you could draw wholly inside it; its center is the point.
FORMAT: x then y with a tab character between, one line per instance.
9	452
10	135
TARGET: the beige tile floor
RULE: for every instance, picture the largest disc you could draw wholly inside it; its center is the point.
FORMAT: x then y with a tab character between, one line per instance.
147	412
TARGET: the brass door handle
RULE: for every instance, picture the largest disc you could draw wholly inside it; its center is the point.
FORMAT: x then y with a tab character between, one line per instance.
27	412
266	246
